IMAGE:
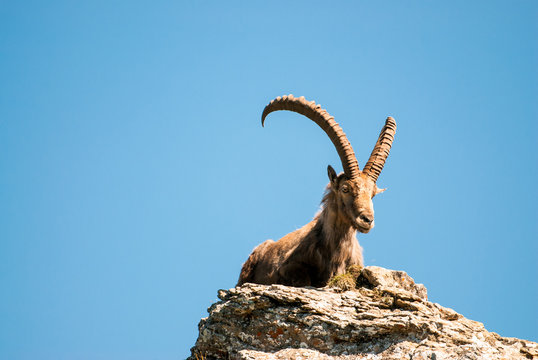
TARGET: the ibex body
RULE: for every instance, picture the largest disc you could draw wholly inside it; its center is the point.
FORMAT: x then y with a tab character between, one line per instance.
327	245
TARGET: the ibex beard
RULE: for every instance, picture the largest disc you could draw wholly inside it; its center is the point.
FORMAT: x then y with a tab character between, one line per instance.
326	246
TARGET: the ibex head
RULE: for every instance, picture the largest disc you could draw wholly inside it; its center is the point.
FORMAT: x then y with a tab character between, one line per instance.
353	198
353	190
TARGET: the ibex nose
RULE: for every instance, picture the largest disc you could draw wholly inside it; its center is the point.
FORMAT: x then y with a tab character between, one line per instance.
367	218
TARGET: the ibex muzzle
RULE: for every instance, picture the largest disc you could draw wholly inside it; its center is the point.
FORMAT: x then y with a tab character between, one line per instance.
327	245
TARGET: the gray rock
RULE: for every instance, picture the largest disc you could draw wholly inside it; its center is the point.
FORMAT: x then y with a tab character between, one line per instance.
387	317
380	277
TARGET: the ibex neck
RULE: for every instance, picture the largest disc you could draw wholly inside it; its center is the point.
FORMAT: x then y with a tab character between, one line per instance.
336	228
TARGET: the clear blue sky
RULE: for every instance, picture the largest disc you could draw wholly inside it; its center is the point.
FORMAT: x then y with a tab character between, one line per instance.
135	177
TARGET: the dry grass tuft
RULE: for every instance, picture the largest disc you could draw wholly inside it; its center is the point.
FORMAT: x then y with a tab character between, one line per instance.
346	281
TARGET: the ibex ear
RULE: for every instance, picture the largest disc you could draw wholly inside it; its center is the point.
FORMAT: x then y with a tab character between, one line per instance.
332	174
379	191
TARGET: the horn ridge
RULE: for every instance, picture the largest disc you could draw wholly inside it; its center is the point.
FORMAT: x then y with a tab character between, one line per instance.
324	120
381	150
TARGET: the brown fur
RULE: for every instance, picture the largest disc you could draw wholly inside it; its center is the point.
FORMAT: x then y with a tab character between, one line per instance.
323	248
327	245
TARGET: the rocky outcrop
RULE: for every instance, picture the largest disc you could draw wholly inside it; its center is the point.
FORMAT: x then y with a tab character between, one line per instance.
387	316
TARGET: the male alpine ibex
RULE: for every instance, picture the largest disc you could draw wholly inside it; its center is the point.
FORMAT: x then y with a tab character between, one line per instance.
327	245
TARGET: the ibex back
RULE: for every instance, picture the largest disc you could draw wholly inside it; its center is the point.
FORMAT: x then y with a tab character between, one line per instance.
327	245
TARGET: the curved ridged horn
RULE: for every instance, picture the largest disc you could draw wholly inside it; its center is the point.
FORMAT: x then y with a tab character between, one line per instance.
321	117
381	150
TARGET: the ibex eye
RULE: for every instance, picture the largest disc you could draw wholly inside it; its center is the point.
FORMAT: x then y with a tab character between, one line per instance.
345	189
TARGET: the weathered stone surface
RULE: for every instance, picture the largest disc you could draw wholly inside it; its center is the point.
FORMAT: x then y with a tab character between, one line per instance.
388	317
380	277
